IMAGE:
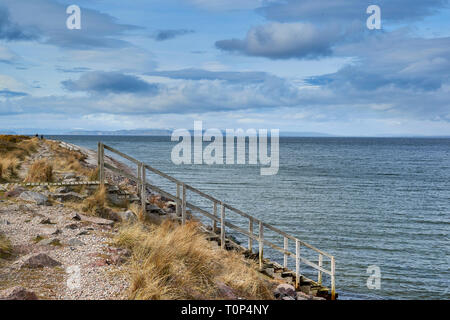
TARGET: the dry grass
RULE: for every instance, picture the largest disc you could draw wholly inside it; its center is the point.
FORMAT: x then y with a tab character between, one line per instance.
71	161
177	262
17	147
13	150
95	204
9	167
40	171
5	247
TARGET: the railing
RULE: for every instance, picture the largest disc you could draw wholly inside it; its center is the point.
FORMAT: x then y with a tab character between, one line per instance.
182	204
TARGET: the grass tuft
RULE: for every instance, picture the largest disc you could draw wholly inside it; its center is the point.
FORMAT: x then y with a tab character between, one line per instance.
95	204
170	261
40	171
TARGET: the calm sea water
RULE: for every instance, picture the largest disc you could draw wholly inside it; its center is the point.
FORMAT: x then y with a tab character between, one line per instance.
369	202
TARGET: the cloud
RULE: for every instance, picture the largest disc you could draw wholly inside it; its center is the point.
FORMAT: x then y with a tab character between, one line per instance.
393	61
283	41
225	5
47	18
9	30
311	29
163	35
12	94
110	82
72	70
200	74
349	10
7	56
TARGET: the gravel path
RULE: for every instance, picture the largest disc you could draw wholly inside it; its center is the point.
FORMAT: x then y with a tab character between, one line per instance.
84	253
91	267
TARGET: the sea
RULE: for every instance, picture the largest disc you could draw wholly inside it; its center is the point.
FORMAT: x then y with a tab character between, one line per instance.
380	206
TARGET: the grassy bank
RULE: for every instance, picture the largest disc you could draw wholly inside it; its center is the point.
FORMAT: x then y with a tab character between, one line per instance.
171	261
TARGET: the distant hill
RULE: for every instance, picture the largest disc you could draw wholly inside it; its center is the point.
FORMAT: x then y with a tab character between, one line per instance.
168	132
139	132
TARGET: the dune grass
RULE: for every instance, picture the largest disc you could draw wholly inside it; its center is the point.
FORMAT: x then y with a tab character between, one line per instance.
13	150
40	171
170	261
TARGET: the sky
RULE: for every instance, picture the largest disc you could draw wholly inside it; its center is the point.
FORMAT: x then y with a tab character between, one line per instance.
293	65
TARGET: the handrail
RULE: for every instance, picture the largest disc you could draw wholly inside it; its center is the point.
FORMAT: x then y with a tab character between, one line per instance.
182	204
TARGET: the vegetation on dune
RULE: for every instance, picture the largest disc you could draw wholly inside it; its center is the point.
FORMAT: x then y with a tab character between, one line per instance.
170	261
71	160
95	204
40	171
13	150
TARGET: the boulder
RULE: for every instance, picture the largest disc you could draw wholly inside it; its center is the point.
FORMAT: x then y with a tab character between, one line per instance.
35	197
116	199
285	290
15	192
127	216
75	216
96	220
40	189
70	196
17	293
46	221
39	260
65	189
226	292
71	226
69	175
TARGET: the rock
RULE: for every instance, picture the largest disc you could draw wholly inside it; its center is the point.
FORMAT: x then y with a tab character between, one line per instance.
46	221
50	242
15	192
285	290
113	188
127	216
39	260
75	216
2	188
287	298
71	226
35	197
70	196
65	189
74	242
40	189
116	199
99	263
5	222
96	220
69	175
226	292
17	293
82	233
